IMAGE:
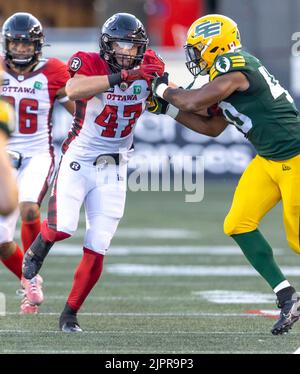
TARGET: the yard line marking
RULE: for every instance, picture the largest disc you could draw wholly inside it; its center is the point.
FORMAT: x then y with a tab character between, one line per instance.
235	297
191	270
297	351
114	283
154	314
119	298
71	250
149	233
62	249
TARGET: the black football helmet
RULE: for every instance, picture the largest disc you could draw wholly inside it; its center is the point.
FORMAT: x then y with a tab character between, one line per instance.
26	28
122	27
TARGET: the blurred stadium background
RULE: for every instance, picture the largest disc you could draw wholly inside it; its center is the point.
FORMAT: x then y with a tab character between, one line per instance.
173	282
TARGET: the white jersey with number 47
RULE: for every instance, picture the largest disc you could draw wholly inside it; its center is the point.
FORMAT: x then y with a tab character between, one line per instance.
104	123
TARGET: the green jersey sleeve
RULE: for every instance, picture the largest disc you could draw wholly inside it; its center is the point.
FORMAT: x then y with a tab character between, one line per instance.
228	63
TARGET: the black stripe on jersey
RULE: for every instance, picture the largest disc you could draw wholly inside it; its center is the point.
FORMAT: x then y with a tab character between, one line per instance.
76	125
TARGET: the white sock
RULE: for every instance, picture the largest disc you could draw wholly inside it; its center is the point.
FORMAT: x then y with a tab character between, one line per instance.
281	286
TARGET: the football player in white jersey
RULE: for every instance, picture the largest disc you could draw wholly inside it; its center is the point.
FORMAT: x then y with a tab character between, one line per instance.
8	186
110	90
31	85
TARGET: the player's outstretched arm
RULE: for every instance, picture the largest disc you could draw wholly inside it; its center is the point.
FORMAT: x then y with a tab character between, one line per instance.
8	186
210	126
199	99
83	87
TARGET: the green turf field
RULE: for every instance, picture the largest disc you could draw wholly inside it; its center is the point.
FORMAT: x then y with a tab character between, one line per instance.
173	283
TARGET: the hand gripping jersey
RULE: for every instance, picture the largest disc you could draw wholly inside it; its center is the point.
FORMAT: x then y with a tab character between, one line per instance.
32	95
104	123
265	112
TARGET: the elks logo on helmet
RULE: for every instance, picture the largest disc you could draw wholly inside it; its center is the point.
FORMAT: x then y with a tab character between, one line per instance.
75	63
208	29
208	38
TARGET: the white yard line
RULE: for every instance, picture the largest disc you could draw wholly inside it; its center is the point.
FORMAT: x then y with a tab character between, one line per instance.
154	314
145	233
191	270
297	351
72	250
120	298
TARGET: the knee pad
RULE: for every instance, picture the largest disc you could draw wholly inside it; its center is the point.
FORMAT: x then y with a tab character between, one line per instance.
235	227
98	240
51	235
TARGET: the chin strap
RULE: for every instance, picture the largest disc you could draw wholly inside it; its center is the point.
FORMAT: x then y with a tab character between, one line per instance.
191	84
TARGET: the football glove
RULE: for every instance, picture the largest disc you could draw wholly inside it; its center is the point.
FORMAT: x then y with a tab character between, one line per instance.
152	58
158	81
157	105
146	72
151	67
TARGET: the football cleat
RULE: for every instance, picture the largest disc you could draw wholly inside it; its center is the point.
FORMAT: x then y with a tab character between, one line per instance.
69	323
34	257
27	308
33	289
290	313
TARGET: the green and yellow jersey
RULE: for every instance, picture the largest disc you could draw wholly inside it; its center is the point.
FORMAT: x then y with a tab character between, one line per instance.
6	118
265	112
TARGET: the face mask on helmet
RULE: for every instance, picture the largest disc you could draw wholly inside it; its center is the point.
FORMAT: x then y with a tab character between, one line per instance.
123	41
22	39
194	61
21	52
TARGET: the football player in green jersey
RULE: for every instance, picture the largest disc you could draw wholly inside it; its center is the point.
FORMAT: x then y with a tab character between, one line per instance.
248	97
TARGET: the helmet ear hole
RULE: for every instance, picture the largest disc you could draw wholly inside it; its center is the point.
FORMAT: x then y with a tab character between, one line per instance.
213	50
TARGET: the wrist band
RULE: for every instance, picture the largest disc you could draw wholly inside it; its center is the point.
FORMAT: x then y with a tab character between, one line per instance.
63	99
172	111
161	90
114	79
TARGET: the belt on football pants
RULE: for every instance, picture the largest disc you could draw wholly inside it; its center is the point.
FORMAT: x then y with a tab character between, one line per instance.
108	159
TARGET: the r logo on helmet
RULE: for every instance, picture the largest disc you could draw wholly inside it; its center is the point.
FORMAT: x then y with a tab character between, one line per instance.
75	64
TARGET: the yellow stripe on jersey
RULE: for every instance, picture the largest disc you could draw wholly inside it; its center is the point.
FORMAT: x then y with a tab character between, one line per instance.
237	61
237	65
213	73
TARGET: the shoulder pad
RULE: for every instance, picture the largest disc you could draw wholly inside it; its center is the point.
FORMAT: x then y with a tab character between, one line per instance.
227	63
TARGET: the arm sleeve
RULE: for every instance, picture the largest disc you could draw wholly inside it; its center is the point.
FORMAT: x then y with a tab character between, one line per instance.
62	75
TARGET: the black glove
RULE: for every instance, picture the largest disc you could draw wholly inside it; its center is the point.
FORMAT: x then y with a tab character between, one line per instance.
164	79
157	105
